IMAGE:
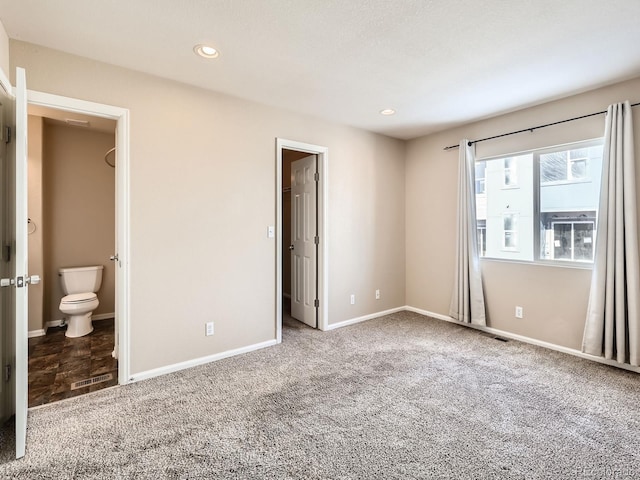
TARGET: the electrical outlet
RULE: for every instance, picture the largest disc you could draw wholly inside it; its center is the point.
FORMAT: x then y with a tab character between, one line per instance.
377	294
519	312
353	299
209	330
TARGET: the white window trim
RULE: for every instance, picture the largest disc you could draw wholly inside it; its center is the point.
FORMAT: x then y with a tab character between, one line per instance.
536	152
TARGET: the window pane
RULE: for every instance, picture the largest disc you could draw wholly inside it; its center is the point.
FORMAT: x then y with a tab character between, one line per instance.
579	169
510	240
508	222
553	167
583	241
562	241
510	172
551	215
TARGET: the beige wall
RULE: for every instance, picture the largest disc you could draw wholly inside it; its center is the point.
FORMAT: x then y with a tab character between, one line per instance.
554	298
202	195
36	226
79	210
4	50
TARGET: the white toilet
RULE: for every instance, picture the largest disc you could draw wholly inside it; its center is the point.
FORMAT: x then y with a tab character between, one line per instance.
79	284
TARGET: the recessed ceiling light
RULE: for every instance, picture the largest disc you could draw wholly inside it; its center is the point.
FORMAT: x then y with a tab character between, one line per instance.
206	51
387	111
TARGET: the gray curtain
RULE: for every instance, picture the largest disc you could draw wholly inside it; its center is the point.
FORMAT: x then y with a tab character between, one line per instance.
467	300
612	328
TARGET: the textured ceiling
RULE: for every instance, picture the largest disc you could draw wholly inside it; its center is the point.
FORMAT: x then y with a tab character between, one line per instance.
439	63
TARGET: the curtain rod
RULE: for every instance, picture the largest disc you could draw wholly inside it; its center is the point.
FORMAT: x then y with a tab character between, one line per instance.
451	147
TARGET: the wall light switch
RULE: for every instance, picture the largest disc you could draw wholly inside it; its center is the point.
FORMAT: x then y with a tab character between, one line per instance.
271	231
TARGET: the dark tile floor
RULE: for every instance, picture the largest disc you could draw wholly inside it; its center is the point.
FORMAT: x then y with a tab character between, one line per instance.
55	362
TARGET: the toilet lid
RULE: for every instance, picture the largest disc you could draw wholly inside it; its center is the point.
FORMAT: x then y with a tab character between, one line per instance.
79	298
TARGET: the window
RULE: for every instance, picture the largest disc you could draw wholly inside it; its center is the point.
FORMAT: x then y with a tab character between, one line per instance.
480	168
510	231
573	240
510	172
552	214
564	166
482	237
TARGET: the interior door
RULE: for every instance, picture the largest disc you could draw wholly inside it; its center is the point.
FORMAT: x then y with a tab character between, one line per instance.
304	199
7	336
21	277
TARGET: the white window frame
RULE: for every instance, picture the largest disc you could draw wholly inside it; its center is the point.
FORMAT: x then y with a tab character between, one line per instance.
537	184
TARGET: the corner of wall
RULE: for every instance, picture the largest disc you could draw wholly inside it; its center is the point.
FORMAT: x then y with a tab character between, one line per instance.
4	55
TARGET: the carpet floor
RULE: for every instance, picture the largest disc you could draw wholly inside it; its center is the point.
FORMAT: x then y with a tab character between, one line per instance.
399	397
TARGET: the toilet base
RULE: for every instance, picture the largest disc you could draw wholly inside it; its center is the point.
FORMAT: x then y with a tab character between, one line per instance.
79	325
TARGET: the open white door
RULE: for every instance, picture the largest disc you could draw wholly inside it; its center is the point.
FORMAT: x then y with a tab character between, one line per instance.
21	275
304	193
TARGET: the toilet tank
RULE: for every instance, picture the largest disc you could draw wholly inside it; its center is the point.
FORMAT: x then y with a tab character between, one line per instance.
80	279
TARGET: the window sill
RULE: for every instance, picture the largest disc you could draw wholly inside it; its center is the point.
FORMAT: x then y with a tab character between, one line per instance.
542	263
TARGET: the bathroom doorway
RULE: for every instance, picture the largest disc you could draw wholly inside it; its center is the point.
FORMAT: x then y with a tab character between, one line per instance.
71	208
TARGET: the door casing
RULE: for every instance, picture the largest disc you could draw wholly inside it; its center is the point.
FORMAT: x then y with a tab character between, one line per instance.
323	257
121	116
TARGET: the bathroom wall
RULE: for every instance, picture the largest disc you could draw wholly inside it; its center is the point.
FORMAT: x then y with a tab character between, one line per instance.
79	209
36	225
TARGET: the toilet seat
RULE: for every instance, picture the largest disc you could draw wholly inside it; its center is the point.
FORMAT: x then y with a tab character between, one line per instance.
78	298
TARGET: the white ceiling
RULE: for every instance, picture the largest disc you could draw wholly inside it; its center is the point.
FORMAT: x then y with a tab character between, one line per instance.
439	63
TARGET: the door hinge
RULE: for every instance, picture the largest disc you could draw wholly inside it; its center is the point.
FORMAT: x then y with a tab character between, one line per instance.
7	372
316	176
7	136
316	240
316	303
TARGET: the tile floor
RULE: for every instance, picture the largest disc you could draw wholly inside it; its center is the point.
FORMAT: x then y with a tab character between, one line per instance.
55	362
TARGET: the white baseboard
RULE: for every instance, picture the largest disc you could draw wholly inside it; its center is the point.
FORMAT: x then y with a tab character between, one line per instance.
156	372
53	323
36	333
346	323
61	321
529	340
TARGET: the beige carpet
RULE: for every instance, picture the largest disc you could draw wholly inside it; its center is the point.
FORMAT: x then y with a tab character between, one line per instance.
400	397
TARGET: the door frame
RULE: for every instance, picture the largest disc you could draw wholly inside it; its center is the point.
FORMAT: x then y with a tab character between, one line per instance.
121	116
323	209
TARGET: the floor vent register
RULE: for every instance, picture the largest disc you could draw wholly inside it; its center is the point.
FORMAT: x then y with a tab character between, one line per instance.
91	381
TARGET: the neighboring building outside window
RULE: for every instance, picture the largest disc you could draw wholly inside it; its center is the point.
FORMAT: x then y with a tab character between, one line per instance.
510	172
480	172
482	237
510	231
551	215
